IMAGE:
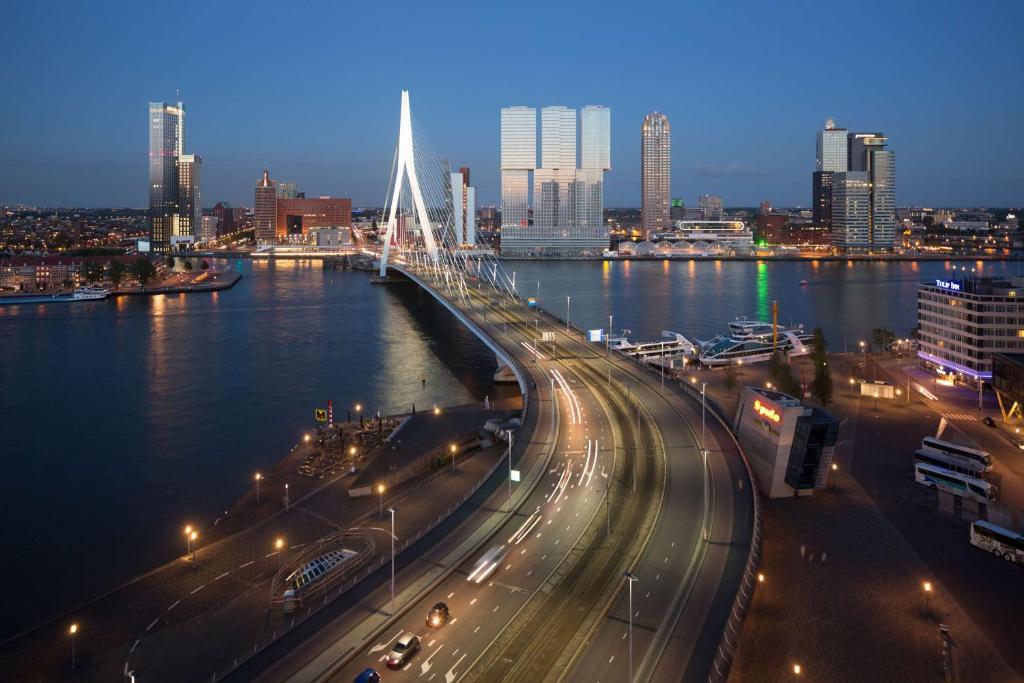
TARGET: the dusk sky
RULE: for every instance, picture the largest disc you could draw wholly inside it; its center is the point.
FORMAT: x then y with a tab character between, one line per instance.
313	90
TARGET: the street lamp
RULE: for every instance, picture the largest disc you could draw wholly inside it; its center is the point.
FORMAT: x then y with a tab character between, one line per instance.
73	631
797	669
509	432
188	539
306	439
630	578
259	477
380	492
192	537
768	384
392	511
437	411
760	577
279	548
453	448
568	300
927	586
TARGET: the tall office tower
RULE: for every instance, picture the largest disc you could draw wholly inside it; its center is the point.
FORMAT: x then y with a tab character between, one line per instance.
287	190
186	223
851	210
518	160
463	207
655	173
711	207
866	154
265	208
595	159
831	156
166	133
596	137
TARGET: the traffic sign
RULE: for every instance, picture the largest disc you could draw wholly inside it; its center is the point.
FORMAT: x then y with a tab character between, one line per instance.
320	414
515	475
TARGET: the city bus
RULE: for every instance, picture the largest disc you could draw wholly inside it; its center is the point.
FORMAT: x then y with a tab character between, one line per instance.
954	482
959	451
930	456
1001	542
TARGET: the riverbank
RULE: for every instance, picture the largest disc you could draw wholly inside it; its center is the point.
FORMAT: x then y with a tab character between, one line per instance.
177	283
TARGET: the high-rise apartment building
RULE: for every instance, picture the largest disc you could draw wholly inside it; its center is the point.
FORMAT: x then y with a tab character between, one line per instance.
174	197
463	207
712	207
655	173
865	222
568	196
265	208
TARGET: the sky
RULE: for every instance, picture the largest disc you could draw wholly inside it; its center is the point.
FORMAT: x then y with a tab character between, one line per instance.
313	90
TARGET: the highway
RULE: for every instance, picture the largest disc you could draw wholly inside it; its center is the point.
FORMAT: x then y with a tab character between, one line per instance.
554	606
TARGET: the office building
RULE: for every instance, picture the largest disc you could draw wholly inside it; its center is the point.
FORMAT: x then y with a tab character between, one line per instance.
851	209
789	445
863	198
830	157
463	207
568	196
296	217
230	219
207	228
963	322
174	197
711	207
265	209
655	173
287	190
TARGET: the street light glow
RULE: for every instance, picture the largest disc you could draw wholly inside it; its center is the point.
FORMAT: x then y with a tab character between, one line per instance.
193	536
437	411
797	669
188	529
927	586
279	543
380	488
258	476
835	467
352	450
73	629
306	438
760	577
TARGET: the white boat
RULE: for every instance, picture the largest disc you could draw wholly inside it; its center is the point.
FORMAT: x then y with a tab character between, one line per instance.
750	341
90	293
80	294
673	344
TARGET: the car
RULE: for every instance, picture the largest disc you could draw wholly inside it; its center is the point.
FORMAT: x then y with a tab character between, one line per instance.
989	422
405	647
368	676
438	615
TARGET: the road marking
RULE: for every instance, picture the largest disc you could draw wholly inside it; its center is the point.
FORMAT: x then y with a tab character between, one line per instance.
657	577
495	609
473	601
380	646
425	665
612	659
529	572
673	544
198	589
243	566
557	540
476	629
222	576
550	520
624	634
648	594
450	595
450	675
523	551
176	602
508	566
454	619
148	628
135	645
270	555
431	643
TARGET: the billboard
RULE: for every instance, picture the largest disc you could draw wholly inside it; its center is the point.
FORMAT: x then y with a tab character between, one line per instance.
595	335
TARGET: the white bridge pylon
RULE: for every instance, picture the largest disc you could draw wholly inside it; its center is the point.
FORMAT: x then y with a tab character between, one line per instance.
406	167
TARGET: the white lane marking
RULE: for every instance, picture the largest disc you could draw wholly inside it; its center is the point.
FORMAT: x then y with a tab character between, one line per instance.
508	566
270	554
380	646
473	601
431	643
450	595
612	659
198	589
176	603
150	627
454	619
425	665
550	520
222	576
495	609
648	594
476	629
243	566
523	551
450	674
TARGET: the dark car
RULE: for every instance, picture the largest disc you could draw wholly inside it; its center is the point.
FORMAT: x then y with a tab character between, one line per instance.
368	676
405	647
989	422
438	615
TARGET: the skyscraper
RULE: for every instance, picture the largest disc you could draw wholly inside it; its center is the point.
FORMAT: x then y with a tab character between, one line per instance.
265	208
174	196
463	207
568	198
711	207
830	157
655	173
851	209
865	220
518	160
287	190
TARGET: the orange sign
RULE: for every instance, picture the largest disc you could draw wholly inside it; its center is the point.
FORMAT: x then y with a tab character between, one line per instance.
766	412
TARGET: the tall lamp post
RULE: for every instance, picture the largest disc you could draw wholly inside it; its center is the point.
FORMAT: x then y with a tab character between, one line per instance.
392	511
306	439
568	300
258	478
509	432
630	578
72	632
188	539
453	449
380	492
703	387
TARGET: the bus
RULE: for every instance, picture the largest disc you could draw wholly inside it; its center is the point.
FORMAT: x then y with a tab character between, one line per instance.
1001	542
930	456
959	451
954	482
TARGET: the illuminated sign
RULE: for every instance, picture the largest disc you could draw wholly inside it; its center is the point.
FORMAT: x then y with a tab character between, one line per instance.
767	413
948	284
595	335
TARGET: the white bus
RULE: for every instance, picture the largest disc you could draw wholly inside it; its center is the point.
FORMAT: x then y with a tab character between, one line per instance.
930	456
1001	542
956	450
954	482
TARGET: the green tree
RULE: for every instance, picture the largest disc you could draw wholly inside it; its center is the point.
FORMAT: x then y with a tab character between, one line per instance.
205	264
92	272
143	270
187	265
730	377
170	262
782	375
821	385
882	338
116	273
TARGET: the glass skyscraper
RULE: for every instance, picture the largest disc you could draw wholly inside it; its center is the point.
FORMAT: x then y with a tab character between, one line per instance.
655	173
174	197
518	160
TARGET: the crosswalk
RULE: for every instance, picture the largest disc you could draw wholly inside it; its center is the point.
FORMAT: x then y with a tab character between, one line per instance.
973	417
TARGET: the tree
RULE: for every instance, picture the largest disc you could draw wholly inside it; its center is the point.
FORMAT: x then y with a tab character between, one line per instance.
170	262
821	385
782	375
143	270
205	264
882	338
116	273
93	272
730	377
68	283
187	265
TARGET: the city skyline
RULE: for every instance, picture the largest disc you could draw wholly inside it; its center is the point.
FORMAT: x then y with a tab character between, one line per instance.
746	140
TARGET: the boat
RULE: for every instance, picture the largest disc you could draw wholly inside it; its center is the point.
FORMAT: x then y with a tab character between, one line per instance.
750	341
803	283
80	294
672	344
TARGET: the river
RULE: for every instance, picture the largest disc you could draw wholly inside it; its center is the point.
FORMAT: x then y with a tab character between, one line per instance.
125	419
